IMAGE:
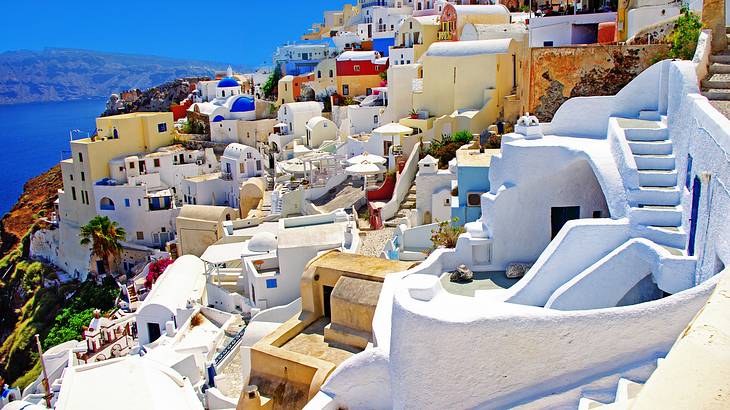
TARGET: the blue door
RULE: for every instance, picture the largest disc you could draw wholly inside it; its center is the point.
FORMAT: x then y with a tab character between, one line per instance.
696	193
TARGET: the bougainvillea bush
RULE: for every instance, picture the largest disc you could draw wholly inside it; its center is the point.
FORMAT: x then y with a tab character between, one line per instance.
156	269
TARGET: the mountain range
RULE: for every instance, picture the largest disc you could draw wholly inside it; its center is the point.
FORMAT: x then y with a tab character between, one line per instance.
59	74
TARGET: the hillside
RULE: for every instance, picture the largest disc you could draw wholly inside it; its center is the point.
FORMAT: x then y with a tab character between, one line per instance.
55	74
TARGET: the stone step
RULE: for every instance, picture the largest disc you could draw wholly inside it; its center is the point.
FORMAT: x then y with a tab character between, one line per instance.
657	215
674	250
661	178
716	95
673	236
649	115
719	68
716	81
658	196
646	134
408	205
651	147
659	162
588	404
627	390
720	58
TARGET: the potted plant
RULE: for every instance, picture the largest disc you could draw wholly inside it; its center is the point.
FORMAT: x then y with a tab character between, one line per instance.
414	114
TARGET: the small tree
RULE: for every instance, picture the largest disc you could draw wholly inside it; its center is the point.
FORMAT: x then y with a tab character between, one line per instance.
446	234
271	86
685	35
104	237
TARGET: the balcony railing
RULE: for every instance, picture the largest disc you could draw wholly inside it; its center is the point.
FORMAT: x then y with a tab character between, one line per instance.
443	36
226	176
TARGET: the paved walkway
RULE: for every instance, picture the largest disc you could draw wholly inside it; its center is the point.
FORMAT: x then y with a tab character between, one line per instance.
374	241
345	198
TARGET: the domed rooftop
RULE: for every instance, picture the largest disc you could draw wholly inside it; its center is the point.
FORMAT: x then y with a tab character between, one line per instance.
243	104
227	82
262	242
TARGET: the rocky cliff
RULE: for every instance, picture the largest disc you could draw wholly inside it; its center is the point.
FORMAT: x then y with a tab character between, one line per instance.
158	98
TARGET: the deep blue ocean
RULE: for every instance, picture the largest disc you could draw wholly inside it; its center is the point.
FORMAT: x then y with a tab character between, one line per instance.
34	138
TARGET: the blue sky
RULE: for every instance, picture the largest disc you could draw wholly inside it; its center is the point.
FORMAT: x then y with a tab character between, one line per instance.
238	32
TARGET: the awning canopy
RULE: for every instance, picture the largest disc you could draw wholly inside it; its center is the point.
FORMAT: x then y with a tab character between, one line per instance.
393	128
371	158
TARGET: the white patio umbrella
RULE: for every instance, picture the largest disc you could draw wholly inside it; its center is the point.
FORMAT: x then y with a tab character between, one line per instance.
364	169
369	158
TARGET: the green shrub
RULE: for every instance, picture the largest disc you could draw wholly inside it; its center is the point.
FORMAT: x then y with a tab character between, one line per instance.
446	235
685	35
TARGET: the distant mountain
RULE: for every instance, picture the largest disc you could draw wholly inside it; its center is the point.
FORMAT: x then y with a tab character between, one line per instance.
56	74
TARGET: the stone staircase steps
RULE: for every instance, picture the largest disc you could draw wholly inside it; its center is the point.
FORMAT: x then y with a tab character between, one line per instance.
720	58
719	68
658	178
672	236
654	215
661	196
656	162
626	391
646	134
651	147
649	115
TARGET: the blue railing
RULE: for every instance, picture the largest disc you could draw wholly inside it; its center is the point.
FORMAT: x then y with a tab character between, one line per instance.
229	347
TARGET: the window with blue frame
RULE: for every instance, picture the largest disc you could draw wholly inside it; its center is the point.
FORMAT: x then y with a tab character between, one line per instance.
270	283
126	202
162	127
688	177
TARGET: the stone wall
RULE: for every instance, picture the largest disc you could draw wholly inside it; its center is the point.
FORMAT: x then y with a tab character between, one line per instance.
560	73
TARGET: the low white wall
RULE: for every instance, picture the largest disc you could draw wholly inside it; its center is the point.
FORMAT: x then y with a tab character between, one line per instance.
568	255
609	280
521	353
703	53
403	185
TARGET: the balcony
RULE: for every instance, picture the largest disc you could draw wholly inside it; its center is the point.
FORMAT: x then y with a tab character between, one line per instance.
226	176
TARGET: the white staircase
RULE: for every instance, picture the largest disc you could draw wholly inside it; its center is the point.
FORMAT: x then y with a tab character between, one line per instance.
626	392
655	205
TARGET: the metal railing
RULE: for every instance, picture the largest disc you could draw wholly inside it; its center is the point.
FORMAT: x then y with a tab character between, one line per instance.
229	347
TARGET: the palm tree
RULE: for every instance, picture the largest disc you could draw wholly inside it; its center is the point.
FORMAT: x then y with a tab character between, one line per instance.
104	236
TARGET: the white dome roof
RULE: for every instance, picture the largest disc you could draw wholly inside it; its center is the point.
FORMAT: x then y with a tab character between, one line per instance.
262	242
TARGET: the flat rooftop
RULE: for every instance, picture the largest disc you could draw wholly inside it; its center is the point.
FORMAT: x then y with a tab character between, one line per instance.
474	158
311	342
205	177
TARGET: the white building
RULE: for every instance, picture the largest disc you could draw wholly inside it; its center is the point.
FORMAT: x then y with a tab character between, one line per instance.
619	205
554	31
240	162
172	299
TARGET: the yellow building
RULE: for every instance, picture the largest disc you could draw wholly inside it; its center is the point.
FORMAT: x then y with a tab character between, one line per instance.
358	72
339	294
325	77
333	21
414	37
464	86
115	136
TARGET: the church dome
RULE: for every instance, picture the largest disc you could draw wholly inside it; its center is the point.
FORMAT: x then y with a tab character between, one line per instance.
243	104
228	82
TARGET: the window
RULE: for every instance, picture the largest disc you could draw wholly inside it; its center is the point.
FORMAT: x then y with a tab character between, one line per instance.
139	202
688	178
248	155
345	89
121	169
375	119
258	165
131	165
356	68
71	177
140	236
81	157
547	43
319	74
332	74
126	202
474	199
596	214
162	127
242	167
270	283
156	162
73	193
83	177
